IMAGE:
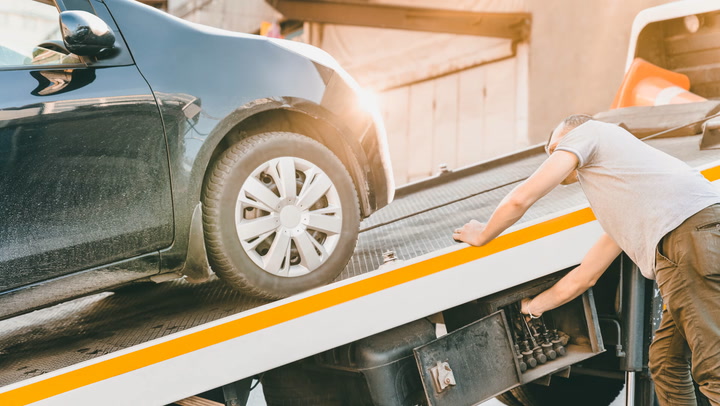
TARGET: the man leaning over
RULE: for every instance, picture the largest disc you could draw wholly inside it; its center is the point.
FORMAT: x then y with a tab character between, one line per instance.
663	214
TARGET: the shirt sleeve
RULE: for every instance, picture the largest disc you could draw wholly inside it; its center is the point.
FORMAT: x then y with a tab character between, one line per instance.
580	143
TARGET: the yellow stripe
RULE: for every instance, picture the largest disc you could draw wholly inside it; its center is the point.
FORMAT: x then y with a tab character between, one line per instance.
214	335
712	174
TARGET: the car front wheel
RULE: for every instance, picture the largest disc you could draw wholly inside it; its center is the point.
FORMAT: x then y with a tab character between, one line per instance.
280	215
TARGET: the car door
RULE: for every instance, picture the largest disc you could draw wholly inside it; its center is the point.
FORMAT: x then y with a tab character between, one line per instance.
84	176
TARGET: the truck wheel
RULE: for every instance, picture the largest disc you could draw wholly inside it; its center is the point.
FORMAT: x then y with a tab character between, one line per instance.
576	390
280	215
508	399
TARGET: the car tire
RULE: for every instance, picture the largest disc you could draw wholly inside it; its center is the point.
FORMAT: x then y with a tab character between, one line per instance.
576	390
280	215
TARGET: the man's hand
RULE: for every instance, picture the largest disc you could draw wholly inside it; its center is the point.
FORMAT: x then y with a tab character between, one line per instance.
577	281
515	204
470	233
525	308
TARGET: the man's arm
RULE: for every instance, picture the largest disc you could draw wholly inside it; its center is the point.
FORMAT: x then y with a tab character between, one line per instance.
553	171
577	281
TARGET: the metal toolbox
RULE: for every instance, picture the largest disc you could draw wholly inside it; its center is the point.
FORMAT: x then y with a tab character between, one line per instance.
477	359
380	370
469	365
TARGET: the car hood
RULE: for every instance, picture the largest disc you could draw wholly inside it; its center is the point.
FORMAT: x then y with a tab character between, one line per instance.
310	52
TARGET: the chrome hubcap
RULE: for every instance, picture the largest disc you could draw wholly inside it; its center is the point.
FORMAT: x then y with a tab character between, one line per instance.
288	216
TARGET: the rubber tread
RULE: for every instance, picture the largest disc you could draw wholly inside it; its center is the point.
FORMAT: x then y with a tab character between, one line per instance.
214	185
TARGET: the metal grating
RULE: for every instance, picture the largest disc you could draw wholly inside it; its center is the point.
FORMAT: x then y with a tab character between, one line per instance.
421	231
431	231
450	191
76	331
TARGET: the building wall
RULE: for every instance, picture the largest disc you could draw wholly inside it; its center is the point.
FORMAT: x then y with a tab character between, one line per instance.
451	100
446	99
455	120
577	57
464	110
443	98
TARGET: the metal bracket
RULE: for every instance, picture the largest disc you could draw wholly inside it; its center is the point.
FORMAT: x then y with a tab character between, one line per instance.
710	135
442	376
389	256
545	380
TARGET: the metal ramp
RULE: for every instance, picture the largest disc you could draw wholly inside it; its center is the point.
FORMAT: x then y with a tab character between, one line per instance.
154	344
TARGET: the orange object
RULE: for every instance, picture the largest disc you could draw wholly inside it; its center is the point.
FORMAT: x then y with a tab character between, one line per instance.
272	30
646	84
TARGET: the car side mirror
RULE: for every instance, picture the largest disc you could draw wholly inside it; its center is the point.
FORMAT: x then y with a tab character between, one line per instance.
85	34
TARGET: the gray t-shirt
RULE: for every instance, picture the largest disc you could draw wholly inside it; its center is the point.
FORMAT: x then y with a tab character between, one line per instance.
637	192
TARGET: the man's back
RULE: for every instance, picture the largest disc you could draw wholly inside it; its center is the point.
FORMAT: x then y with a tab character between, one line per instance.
637	192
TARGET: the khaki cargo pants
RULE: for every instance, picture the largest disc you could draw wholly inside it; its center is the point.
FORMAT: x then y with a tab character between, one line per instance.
688	274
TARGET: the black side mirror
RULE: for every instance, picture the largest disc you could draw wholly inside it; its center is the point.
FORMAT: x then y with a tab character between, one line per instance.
85	34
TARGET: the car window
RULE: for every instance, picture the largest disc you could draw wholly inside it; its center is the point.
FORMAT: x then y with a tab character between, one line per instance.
30	34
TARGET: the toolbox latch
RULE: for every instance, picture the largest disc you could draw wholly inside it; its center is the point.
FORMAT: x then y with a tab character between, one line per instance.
442	376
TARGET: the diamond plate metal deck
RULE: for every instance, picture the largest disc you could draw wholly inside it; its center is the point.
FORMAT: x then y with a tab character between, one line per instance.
76	331
415	224
420	223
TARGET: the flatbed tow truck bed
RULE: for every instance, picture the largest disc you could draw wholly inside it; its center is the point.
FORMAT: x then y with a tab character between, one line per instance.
155	344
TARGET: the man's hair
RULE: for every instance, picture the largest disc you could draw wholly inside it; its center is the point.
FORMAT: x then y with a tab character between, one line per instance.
576	120
570	122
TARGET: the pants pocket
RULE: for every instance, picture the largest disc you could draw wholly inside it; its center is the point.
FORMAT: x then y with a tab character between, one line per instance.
664	271
715	225
661	261
706	250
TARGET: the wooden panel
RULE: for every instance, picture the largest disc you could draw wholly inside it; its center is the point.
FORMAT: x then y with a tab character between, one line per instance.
197	401
458	120
707	90
395	107
501	25
522	96
471	112
445	142
707	57
499	130
692	43
694	54
420	130
701	74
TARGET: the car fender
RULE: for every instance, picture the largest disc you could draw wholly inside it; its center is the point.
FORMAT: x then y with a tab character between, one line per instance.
213	81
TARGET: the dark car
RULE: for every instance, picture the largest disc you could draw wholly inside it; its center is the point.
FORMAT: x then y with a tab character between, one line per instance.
135	145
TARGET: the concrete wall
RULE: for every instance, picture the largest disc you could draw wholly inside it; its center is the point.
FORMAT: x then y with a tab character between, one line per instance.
577	57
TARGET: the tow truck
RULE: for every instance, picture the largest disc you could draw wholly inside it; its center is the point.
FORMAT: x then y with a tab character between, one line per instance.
414	318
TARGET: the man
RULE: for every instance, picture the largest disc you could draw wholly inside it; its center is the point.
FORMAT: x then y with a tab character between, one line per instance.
663	214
